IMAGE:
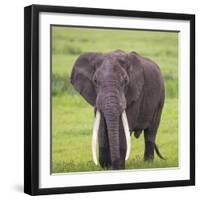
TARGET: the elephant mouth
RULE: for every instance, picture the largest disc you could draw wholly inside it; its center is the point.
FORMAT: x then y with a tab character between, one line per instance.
96	130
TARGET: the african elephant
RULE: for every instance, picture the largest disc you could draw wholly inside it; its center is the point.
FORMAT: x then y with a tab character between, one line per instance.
127	92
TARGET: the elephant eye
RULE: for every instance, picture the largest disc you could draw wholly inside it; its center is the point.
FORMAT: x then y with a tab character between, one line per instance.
95	80
126	80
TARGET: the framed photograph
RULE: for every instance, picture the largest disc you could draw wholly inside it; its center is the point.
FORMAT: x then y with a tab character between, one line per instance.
109	99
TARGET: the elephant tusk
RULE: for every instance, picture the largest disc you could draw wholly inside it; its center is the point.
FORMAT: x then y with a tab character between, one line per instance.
95	136
127	134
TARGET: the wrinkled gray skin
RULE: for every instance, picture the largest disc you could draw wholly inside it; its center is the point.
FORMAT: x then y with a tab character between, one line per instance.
118	81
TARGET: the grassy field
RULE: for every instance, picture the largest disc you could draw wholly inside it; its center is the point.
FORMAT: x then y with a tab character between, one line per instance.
72	117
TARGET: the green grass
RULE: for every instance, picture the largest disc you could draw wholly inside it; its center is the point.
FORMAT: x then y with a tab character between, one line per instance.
72	130
72	117
162	47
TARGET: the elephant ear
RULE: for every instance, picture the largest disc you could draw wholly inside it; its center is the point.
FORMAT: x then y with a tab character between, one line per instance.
136	77
82	74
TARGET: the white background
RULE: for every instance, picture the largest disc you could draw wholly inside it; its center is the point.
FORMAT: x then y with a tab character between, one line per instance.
11	101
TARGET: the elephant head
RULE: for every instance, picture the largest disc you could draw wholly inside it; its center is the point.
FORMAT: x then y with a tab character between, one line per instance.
106	82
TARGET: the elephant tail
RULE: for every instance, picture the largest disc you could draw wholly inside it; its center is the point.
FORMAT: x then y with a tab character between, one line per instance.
158	152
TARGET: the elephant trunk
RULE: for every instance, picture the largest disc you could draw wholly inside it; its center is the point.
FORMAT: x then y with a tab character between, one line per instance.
112	122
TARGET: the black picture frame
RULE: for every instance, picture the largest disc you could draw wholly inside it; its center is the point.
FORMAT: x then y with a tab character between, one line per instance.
31	98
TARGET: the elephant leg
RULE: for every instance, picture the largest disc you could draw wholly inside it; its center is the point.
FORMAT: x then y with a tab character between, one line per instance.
150	136
123	147
104	151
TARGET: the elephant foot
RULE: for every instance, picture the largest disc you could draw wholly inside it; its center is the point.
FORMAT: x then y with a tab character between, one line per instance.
149	151
118	164
105	164
104	158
